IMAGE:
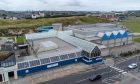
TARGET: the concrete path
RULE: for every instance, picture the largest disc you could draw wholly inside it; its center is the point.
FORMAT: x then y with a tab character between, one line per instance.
136	34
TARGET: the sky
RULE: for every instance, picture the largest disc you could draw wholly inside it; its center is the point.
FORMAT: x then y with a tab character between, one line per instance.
70	5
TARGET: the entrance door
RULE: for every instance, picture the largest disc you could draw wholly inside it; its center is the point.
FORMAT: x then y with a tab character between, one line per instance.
11	75
123	43
1	78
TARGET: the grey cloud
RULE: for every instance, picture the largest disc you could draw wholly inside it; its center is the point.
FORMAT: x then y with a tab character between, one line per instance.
90	5
74	3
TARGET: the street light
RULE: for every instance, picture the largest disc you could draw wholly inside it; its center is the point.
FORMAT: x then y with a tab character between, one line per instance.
137	60
108	73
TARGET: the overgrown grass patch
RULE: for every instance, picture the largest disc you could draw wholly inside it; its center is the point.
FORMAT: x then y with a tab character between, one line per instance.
132	23
33	23
137	39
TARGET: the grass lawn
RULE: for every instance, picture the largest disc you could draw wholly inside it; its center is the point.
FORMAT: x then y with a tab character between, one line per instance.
137	39
33	23
132	23
19	39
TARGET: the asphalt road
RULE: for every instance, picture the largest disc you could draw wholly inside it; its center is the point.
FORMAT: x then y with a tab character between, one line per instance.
82	77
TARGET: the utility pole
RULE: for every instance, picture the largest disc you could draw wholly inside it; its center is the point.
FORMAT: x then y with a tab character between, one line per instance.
108	73
137	60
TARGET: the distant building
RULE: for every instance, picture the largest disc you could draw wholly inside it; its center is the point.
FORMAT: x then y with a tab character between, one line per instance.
34	16
39	15
108	15
13	18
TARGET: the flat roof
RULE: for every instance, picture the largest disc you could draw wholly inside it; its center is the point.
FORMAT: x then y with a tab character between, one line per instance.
92	38
93	29
63	48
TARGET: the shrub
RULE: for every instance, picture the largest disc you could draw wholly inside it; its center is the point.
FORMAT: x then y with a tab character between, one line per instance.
129	53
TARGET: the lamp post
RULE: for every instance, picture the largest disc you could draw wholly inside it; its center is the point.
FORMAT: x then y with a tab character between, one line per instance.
137	60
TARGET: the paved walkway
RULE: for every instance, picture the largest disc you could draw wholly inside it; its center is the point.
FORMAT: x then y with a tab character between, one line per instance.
136	34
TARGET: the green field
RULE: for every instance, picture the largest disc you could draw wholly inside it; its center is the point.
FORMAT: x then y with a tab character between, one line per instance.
33	23
132	23
137	39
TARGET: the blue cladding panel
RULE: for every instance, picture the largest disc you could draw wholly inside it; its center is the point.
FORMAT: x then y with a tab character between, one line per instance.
94	60
47	66
28	71
125	35
111	36
44	28
118	35
104	38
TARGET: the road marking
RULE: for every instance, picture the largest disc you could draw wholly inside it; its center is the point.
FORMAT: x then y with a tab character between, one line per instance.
119	70
81	80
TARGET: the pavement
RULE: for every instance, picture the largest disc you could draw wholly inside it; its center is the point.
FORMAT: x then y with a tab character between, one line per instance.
115	74
136	34
54	73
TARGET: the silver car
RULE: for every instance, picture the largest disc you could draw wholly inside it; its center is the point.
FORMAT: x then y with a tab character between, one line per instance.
132	66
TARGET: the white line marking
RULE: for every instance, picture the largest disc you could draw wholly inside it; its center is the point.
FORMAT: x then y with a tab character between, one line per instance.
81	80
119	70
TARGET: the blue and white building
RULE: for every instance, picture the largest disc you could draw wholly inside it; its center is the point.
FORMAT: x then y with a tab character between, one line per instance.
51	49
79	43
107	34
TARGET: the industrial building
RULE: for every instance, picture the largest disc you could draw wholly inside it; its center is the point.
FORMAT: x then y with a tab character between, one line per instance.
51	49
107	34
61	46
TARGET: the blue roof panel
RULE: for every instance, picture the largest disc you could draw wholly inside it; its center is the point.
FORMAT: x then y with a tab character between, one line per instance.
104	37
112	36
125	35
118	35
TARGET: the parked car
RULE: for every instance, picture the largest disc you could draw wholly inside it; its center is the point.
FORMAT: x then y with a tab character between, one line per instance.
132	66
95	77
